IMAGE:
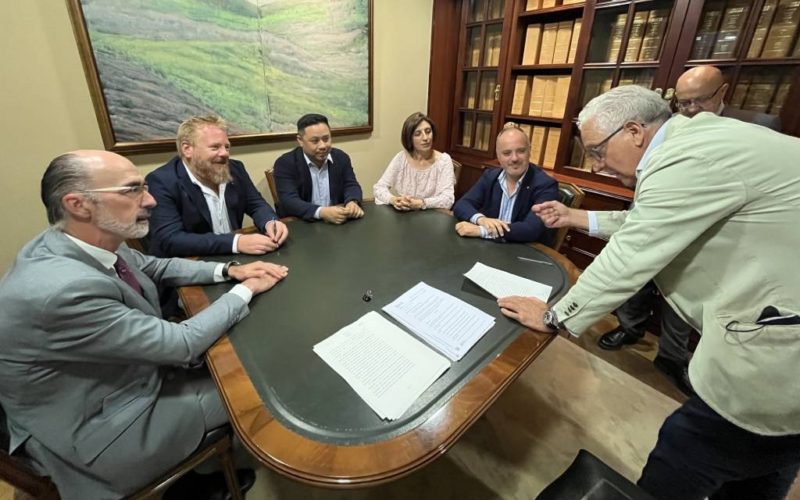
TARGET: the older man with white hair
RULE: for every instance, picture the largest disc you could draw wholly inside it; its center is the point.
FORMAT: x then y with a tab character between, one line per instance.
716	226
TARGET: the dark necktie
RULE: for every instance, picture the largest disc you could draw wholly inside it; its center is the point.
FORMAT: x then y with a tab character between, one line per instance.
126	274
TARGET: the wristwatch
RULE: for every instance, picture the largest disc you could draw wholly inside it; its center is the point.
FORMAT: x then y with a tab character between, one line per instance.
227	267
550	320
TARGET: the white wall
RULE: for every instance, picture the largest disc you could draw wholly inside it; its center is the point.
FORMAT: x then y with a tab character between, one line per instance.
48	111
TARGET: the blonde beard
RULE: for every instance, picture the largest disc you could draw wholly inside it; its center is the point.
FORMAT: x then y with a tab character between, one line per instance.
206	171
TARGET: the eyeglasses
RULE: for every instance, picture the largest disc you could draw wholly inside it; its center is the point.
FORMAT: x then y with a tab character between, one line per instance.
697	101
598	151
137	190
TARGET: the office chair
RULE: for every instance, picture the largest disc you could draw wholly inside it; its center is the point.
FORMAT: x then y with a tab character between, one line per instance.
572	196
273	190
17	472
456	172
590	479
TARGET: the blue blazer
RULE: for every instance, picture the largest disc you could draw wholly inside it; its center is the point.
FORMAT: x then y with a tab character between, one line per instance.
180	225
293	181
485	197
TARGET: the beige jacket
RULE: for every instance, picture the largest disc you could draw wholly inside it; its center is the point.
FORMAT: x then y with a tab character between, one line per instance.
716	222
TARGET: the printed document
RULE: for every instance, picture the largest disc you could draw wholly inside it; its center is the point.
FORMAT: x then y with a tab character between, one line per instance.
502	284
388	368
448	324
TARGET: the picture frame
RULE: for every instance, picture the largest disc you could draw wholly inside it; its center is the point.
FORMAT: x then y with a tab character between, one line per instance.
259	64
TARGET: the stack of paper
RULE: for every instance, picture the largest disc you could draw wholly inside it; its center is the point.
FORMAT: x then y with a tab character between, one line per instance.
386	367
449	324
502	284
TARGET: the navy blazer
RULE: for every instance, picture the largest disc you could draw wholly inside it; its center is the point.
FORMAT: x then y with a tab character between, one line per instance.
293	181
180	225
485	197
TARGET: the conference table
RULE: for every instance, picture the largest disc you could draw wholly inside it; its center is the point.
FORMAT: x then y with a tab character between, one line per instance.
299	417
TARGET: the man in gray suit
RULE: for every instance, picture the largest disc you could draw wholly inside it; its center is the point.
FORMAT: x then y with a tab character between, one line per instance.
90	375
703	88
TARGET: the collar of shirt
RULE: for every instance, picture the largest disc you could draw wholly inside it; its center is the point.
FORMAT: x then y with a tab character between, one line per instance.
205	189
104	257
502	180
658	138
328	160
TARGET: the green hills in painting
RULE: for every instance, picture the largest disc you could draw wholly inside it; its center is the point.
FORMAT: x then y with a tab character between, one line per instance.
260	64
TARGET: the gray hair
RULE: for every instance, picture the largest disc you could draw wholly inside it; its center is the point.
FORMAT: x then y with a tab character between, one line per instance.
65	174
624	104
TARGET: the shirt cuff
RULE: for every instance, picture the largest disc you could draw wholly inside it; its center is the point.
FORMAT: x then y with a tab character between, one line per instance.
474	218
316	213
218	278
236	243
593	229
243	292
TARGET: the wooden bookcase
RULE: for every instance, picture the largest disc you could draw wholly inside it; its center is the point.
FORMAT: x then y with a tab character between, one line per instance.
537	62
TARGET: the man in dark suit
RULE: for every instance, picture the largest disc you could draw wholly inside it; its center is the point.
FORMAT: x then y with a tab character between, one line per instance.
316	181
91	378
203	196
703	88
498	206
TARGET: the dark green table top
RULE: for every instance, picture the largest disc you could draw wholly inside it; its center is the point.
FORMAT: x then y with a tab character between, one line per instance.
330	270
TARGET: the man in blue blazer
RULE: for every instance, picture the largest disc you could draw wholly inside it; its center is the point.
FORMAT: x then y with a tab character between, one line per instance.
498	206
92	380
316	181
203	196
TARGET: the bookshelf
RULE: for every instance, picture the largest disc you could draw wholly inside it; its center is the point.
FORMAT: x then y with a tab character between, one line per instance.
547	58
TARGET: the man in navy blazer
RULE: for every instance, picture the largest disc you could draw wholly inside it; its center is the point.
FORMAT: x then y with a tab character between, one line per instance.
498	206
316	181
203	195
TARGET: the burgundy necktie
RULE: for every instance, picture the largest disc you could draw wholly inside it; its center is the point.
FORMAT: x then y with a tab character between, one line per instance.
126	274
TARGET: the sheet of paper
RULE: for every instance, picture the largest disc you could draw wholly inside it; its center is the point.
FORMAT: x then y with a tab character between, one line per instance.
388	368
448	324
502	284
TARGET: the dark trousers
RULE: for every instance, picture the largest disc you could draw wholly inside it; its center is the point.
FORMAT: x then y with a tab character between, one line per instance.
634	313
699	454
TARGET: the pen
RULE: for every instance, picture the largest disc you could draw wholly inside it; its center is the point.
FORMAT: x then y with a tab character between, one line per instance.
534	260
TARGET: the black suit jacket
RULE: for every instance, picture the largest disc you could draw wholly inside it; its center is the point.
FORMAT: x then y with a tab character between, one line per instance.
180	225
293	181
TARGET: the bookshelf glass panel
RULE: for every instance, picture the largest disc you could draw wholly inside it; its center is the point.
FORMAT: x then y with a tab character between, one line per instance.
647	32
467	126
491	48
762	89
720	30
639	76
487	88
496	8
472	54
477	10
609	26
595	82
470	89
483	129
776	30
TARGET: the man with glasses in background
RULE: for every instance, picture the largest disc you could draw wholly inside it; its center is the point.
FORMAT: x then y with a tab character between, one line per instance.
715	226
703	88
92	380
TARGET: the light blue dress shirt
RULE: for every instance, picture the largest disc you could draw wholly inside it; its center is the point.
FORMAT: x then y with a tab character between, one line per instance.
320	184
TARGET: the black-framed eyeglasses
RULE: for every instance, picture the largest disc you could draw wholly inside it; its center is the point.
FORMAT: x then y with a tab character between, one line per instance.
696	101
136	190
597	151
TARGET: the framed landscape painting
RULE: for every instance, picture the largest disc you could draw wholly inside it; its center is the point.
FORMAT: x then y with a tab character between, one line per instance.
260	64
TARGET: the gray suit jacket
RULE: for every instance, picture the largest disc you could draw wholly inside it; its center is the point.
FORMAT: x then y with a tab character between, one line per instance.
83	362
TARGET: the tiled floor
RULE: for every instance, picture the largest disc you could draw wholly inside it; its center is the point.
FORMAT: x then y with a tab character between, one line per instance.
574	396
